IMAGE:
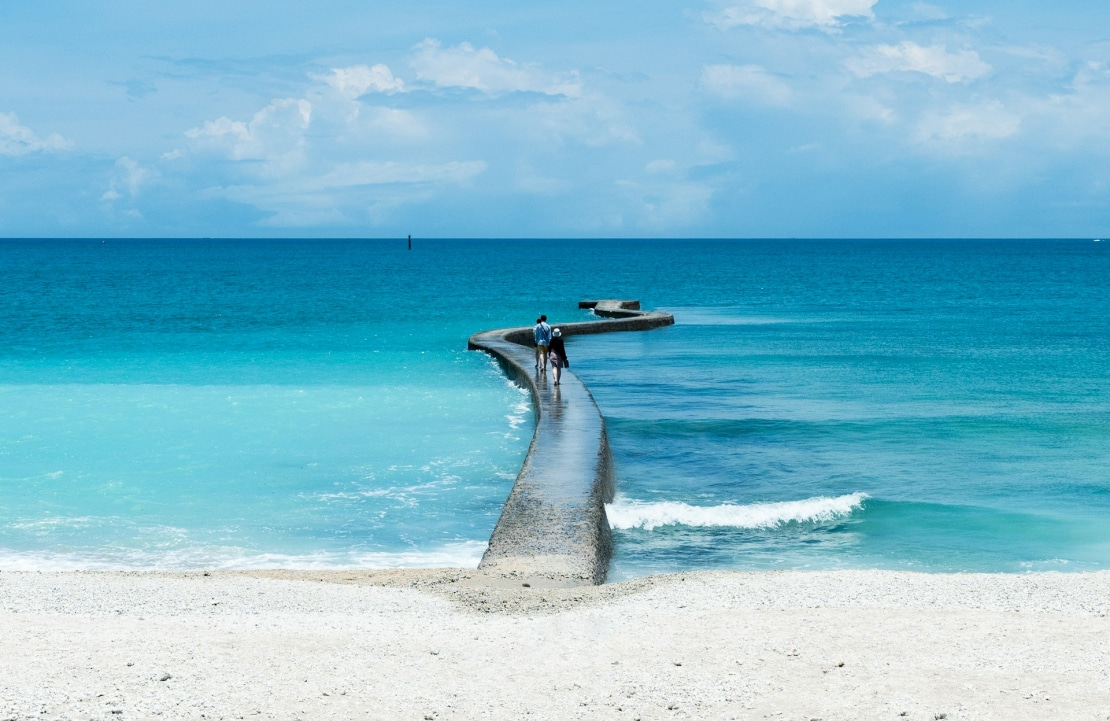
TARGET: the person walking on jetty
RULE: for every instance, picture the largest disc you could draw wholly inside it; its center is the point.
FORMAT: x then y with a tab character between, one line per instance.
541	334
558	354
536	343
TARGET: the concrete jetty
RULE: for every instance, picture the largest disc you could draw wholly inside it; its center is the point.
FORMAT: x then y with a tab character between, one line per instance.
553	529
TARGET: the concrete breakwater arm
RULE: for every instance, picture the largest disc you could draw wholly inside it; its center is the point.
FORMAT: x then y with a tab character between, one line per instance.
553	526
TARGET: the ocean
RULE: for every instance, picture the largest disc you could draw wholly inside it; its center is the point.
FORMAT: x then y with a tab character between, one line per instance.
933	405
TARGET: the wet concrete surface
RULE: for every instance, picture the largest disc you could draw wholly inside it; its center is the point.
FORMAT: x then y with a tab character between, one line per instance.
553	526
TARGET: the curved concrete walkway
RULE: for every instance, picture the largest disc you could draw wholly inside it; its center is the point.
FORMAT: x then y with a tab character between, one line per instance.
553	529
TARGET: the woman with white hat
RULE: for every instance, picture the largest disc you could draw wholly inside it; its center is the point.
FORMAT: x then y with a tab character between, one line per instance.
557	354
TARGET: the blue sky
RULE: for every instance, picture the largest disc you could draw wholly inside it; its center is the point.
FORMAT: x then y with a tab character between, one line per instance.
710	118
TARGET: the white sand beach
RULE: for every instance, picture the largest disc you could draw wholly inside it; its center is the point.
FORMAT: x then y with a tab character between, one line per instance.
448	644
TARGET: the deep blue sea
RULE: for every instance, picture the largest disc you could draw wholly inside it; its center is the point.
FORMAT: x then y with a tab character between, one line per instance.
928	405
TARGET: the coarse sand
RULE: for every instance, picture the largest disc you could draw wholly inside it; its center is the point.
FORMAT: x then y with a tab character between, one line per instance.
455	644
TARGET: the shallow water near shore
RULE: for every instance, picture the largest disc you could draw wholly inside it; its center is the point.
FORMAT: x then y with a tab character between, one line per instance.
930	405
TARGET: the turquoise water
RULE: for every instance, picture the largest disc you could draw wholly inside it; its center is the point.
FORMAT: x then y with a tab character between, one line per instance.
937	405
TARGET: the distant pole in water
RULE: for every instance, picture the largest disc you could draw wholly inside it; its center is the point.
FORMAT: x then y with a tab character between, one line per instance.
410	242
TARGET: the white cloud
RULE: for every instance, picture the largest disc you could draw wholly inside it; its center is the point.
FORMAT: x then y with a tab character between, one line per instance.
593	120
358	80
396	123
127	177
1042	54
345	150
321	155
934	60
1059	123
866	108
17	139
667	203
827	15
529	181
351	191
340	109
1077	117
380	173
275	133
664	166
463	66
749	82
925	11
962	123
710	151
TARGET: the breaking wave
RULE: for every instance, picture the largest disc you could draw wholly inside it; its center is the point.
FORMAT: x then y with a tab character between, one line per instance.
625	514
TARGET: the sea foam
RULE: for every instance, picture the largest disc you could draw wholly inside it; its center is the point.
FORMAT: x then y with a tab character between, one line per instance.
464	554
625	514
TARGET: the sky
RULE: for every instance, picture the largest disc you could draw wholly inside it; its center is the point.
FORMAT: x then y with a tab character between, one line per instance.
489	118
